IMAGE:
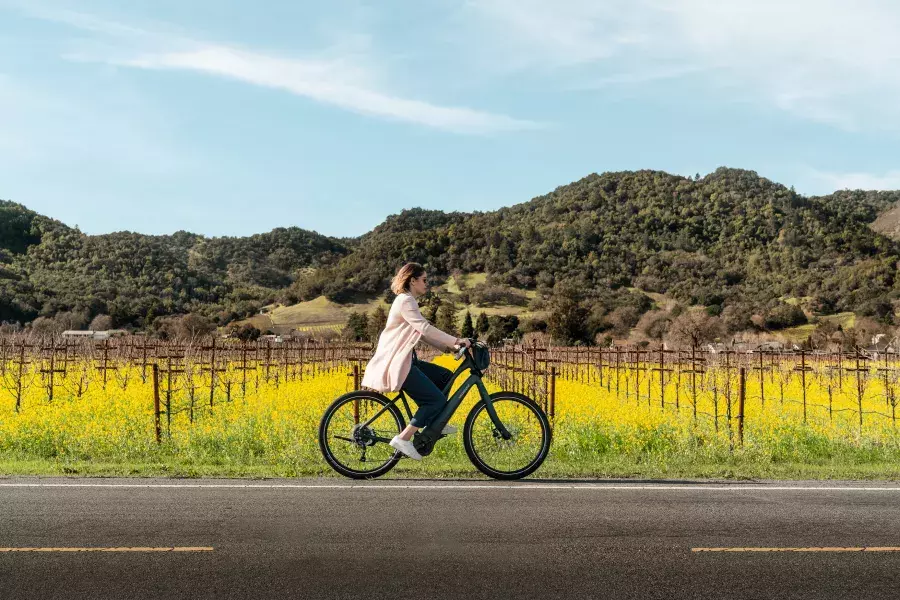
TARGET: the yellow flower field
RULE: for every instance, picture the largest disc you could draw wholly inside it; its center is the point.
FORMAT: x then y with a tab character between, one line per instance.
271	429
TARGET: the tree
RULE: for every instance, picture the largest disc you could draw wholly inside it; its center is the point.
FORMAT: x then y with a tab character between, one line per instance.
468	329
446	318
432	308
736	317
193	326
357	327
71	320
654	324
622	319
482	324
376	322
247	333
862	333
785	315
502	327
694	327
101	323
566	322
45	326
167	328
823	334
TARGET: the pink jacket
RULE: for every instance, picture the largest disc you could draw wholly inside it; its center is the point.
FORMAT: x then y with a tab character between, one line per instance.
389	366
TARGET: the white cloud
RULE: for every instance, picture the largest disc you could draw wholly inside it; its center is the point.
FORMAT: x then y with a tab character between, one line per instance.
348	81
859	181
637	77
327	81
832	61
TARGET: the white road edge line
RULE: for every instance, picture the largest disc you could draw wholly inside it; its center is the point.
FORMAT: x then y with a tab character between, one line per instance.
592	487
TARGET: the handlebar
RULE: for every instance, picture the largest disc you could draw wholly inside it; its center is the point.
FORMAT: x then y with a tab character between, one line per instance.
462	350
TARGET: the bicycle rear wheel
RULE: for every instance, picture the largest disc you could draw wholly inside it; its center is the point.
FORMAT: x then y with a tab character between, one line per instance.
518	456
354	450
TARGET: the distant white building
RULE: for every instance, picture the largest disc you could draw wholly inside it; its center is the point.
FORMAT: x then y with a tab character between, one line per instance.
78	333
881	344
92	334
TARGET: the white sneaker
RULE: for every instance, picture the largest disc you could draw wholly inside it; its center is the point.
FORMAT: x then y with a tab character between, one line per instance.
405	446
448	430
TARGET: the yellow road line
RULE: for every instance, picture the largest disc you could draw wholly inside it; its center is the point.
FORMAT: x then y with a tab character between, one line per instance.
98	549
822	549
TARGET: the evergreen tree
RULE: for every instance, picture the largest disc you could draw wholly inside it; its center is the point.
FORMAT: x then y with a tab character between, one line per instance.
468	330
377	321
357	327
566	322
446	318
431	310
482	324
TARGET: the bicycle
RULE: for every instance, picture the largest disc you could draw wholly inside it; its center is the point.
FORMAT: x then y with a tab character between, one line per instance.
506	434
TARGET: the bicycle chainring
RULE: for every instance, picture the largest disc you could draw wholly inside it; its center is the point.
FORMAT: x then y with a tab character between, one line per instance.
363	436
424	448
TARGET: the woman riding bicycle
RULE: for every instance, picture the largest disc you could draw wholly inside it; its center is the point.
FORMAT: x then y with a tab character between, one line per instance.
395	366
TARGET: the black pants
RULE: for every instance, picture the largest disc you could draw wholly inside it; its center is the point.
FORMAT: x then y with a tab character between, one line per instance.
424	384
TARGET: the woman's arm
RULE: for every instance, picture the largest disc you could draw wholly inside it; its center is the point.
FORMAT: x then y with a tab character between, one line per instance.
434	336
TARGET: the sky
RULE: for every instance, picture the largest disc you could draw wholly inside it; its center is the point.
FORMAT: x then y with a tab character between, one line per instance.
226	117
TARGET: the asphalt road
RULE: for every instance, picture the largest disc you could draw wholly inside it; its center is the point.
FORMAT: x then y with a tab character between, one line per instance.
459	539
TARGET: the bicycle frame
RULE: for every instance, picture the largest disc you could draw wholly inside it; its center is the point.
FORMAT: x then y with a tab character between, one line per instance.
432	433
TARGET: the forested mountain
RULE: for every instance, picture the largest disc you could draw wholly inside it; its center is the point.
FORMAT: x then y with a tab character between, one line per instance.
47	267
730	238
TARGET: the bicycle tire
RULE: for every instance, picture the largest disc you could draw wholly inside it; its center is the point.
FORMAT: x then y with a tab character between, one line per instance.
325	447
489	470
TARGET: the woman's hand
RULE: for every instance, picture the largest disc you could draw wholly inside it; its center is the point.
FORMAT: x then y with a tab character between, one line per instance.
460	342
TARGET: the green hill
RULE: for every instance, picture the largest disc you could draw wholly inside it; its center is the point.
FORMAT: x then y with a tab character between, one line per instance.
730	238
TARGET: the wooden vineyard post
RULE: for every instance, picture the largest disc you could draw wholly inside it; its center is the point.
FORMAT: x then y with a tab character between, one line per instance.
303	356
552	391
859	389
662	379
728	389
840	368
858	370
618	360
104	366
243	369
156	419
20	375
600	367
693	371
212	371
52	370
803	369
637	377
884	371
170	370
762	379
741	396
143	348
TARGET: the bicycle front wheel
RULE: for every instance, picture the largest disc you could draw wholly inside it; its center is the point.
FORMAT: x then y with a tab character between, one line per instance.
518	456
351	447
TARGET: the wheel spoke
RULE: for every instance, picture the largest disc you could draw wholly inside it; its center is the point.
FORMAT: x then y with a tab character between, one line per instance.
362	449
525	445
